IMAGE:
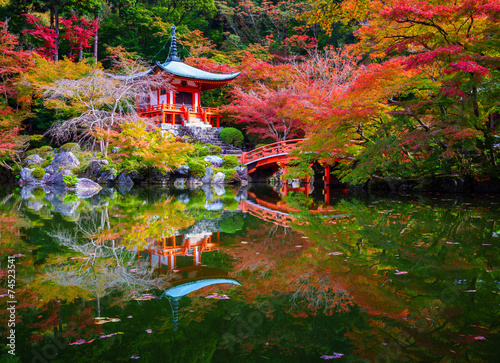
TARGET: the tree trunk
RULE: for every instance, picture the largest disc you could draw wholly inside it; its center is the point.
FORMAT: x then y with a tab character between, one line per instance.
56	51
80	49
96	17
51	18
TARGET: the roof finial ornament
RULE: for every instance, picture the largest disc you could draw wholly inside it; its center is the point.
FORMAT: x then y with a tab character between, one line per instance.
173	48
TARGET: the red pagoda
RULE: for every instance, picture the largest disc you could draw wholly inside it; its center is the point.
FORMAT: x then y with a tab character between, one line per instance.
182	106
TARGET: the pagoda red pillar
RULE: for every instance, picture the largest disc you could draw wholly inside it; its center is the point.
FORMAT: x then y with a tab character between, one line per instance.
327	175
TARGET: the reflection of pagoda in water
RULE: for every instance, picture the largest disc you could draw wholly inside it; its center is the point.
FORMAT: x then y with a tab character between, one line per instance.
181	256
179	253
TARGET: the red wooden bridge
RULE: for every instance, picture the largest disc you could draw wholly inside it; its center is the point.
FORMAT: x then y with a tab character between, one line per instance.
276	156
269	156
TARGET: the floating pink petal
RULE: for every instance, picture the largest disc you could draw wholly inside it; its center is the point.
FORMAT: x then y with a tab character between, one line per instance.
335	253
135	356
400	272
468	290
133	270
149	331
480	337
78	342
129	317
19	255
334	356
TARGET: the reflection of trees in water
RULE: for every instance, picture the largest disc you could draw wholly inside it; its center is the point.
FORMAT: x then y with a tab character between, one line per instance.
315	295
102	265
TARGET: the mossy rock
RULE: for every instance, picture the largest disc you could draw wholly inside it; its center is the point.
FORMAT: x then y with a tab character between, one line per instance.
197	168
230	161
70	146
230	176
43	151
38	173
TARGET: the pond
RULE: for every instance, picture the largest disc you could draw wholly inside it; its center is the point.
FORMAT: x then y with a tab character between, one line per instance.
250	274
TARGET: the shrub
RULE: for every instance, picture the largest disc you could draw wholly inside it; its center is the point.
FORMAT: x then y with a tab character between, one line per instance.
231	136
70	180
230	161
70	146
232	224
231	176
197	168
202	150
38	173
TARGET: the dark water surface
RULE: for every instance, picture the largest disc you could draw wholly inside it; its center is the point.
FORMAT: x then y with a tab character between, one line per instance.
248	275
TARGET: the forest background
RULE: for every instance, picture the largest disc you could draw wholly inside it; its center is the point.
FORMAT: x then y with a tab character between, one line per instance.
396	89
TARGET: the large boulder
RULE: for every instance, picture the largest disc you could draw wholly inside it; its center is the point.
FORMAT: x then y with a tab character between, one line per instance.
182	170
27	177
34	159
209	173
85	188
124	179
214	160
242	172
158	176
95	167
218	178
107	176
64	160
56	178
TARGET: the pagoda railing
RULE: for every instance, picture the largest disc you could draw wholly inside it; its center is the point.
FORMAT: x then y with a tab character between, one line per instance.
206	114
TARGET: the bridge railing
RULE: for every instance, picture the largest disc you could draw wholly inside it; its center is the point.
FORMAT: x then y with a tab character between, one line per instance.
282	147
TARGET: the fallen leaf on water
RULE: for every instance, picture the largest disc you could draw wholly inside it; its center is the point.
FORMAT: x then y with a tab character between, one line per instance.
468	290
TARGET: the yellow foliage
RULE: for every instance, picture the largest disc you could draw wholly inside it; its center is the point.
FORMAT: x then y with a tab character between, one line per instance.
47	73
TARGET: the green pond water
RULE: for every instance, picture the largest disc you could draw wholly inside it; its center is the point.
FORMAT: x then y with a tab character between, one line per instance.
249	275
